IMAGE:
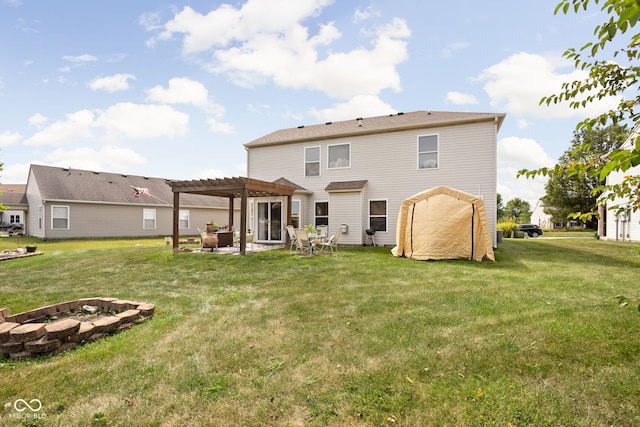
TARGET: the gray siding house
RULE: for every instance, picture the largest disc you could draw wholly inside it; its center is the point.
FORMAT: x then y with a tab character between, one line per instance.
73	203
13	197
355	174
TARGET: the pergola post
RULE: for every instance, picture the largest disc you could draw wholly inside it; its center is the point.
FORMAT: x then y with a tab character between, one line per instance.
231	206
176	218
243	222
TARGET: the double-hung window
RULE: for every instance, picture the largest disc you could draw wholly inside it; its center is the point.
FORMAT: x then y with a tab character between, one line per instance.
339	156
427	151
59	217
312	161
149	219
322	213
183	220
378	215
295	213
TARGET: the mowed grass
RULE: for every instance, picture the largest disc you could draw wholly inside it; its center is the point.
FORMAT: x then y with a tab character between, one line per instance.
358	339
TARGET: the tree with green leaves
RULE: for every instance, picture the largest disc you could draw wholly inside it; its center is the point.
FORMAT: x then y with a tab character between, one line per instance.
518	210
605	79
499	207
567	192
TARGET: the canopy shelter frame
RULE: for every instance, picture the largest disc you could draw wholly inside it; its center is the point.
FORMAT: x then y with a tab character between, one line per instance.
232	188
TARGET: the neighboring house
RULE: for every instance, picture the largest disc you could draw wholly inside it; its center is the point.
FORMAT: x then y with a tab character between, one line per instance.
538	217
69	203
355	174
13	197
622	225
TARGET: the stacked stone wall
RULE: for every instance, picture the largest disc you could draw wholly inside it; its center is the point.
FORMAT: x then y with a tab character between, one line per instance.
54	329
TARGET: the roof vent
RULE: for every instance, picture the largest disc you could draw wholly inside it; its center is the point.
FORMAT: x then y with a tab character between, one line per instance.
328	123
359	119
96	173
400	113
300	127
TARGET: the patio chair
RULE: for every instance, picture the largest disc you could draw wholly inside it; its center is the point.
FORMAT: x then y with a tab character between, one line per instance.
304	244
292	237
322	231
332	243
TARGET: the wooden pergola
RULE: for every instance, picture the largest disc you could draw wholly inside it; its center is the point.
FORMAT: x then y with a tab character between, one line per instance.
232	188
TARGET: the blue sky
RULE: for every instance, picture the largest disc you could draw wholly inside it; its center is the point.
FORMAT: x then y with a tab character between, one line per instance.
174	90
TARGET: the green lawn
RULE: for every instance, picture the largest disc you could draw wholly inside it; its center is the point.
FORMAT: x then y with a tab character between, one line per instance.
358	339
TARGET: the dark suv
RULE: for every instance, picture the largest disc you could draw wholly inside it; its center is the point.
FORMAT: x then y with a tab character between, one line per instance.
532	230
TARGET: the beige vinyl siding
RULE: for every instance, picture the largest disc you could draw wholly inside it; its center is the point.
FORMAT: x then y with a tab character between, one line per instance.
112	220
341	211
35	202
467	162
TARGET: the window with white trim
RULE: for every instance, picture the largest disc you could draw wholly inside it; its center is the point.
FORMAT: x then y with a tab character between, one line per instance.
339	156
321	213
312	161
149	219
59	217
183	219
427	151
378	215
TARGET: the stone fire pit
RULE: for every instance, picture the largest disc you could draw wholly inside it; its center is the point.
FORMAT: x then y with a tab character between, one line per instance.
61	327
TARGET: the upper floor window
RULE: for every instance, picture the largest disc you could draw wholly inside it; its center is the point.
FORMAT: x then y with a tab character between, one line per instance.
312	161
149	219
183	220
59	217
427	151
339	156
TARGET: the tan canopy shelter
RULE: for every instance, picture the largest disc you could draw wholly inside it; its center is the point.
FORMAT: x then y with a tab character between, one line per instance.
443	223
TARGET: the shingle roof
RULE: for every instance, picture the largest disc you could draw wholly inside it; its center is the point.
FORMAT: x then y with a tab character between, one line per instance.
369	125
13	195
346	185
68	184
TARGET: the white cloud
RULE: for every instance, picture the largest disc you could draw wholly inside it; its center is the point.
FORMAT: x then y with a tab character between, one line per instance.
522	153
184	91
358	106
263	41
75	125
219	127
209	173
38	120
150	21
515	154
114	83
459	98
517	84
107	158
14	173
80	58
138	121
449	50
143	121
362	15
9	138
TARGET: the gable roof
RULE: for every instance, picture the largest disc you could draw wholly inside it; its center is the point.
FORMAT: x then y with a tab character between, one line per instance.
12	195
67	184
371	125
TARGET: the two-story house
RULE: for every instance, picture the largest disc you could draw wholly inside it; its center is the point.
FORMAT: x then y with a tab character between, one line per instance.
355	174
